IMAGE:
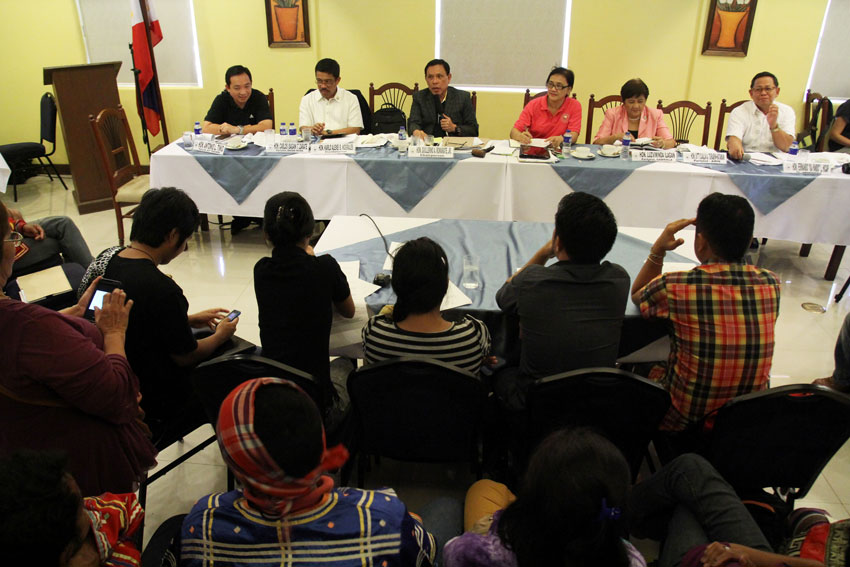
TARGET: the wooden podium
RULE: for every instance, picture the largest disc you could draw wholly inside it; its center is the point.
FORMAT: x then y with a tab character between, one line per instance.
81	90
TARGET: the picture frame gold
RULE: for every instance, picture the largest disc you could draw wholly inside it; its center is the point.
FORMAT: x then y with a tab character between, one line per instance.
728	27
287	23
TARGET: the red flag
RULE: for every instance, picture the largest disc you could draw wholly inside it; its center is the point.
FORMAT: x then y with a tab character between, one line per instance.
142	61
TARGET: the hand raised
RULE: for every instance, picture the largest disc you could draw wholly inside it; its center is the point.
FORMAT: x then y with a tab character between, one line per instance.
668	241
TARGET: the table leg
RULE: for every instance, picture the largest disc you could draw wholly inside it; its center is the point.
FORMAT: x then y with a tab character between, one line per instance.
805	249
205	223
834	262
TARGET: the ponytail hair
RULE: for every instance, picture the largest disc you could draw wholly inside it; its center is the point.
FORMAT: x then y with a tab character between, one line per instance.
570	507
420	277
287	219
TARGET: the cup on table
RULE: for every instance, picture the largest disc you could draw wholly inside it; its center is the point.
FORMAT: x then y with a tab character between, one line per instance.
471	268
306	133
610	149
187	139
582	151
429	140
803	155
402	145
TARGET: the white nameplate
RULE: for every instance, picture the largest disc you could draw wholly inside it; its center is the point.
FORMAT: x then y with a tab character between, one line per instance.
430	151
288	147
208	146
805	167
704	157
334	148
650	155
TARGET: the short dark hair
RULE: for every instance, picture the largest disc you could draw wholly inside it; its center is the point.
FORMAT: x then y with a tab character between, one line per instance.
328	66
442	62
290	426
160	212
726	222
287	219
764	74
234	71
586	227
633	88
38	509
420	277
566	73
557	518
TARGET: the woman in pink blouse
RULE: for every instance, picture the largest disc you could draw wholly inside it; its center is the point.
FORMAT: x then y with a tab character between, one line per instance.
634	117
550	116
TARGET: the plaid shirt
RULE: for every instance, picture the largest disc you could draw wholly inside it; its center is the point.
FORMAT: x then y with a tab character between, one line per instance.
722	318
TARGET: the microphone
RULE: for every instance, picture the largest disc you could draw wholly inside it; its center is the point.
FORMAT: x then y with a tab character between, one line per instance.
439	106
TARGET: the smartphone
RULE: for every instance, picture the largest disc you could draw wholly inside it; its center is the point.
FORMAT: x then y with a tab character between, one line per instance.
103	287
233	315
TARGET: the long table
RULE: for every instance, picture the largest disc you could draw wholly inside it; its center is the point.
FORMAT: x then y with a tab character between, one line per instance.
789	207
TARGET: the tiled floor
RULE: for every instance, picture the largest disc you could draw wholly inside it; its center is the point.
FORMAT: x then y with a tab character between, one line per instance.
217	272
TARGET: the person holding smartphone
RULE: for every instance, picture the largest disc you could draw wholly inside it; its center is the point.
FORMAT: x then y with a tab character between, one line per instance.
66	384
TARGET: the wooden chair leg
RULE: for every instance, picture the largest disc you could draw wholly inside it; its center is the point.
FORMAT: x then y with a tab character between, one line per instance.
834	262
120	218
205	223
805	249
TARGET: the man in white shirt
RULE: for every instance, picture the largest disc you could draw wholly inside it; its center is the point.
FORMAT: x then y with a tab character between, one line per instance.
330	109
761	125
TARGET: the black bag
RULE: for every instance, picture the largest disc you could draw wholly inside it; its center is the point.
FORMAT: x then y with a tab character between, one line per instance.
388	119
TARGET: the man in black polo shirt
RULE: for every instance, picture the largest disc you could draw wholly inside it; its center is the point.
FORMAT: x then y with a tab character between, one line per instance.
238	109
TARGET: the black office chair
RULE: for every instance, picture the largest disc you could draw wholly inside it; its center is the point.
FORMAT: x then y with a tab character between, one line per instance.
780	438
621	405
163	549
18	155
416	410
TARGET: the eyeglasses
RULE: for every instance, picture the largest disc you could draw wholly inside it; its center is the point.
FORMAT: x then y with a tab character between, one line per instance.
327	82
551	85
15	237
764	89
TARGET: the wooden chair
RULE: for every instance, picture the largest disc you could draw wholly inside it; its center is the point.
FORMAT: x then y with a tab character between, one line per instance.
529	97
270	98
817	117
475	101
605	103
395	94
682	115
120	162
724	110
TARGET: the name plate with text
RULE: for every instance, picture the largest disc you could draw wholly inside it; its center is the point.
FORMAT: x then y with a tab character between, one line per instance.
288	147
334	148
806	167
650	155
208	146
704	157
430	152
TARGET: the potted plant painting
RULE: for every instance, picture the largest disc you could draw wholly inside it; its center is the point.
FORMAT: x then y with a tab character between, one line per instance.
286	23
728	27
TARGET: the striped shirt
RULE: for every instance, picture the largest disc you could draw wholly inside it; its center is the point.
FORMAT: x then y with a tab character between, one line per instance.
464	344
722	335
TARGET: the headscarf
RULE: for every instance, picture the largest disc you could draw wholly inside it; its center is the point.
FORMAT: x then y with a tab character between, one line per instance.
264	483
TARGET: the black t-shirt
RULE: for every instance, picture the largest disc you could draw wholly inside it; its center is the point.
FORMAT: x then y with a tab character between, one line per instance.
842	112
295	296
158	328
224	109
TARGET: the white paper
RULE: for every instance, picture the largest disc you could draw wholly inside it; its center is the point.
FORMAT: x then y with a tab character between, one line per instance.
454	298
359	288
761	158
348	332
388	263
372	140
535	142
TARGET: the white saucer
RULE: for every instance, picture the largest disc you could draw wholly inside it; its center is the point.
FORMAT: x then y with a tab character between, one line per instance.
579	156
239	146
612	155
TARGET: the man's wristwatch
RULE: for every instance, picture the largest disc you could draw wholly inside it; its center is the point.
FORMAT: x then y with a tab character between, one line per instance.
328	132
457	130
241	129
775	128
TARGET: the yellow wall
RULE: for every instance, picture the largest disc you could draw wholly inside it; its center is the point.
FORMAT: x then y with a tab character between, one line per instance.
381	40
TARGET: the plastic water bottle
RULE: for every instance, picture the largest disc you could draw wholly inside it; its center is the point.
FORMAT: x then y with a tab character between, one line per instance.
283	130
624	151
402	134
293	133
795	147
197	128
567	146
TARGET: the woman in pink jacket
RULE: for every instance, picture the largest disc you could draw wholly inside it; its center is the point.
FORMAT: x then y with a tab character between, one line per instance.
634	117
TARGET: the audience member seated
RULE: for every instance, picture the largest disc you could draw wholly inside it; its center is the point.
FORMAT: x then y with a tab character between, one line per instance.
288	511
701	521
66	384
762	124
415	326
570	312
634	117
722	313
840	379
550	117
45	520
330	109
161	346
441	110
297	292
839	132
238	109
569	510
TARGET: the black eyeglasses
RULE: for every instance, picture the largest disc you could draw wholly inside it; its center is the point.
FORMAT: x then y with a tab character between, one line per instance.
551	85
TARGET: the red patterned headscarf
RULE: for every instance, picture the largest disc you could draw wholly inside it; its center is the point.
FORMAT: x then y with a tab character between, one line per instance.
264	483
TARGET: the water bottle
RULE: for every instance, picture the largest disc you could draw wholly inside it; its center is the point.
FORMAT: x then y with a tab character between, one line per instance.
197	128
624	151
293	133
567	145
402	134
795	147
283	130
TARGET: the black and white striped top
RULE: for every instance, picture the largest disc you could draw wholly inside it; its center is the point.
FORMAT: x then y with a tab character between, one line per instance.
464	344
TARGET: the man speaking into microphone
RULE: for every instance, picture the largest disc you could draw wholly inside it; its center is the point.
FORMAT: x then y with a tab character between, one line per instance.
441	110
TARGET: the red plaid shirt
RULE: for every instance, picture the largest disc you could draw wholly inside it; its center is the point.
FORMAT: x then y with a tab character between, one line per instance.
721	345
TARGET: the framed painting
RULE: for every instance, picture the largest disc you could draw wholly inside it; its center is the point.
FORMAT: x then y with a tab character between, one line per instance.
286	23
728	27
